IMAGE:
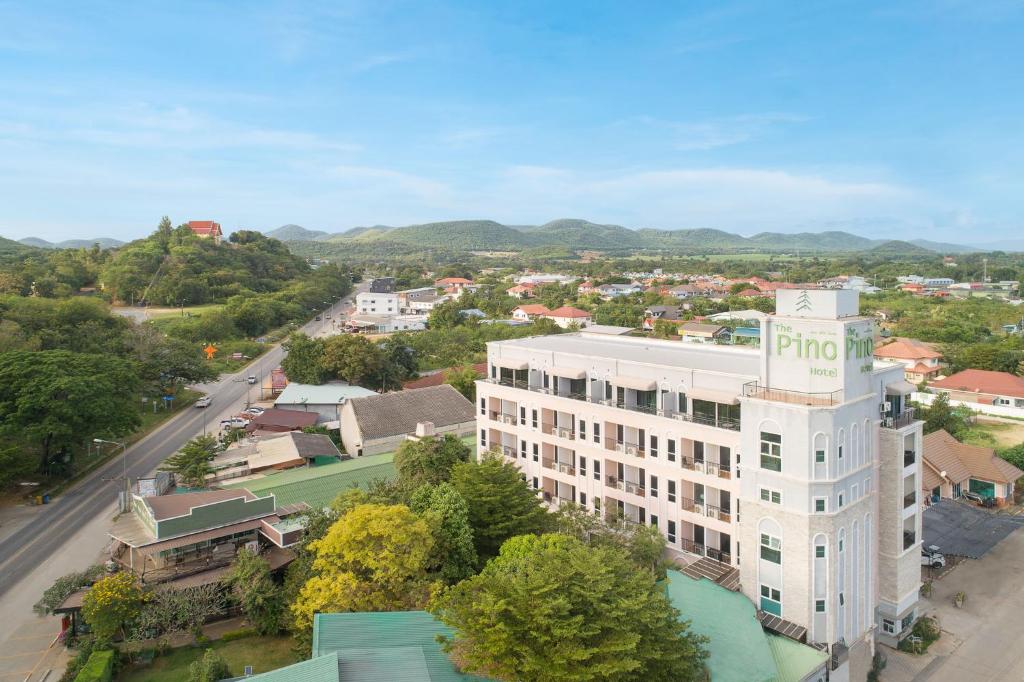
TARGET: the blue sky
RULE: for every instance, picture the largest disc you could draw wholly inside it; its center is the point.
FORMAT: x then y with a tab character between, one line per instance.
890	119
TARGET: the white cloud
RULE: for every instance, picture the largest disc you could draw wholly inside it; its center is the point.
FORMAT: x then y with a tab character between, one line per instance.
378	60
722	132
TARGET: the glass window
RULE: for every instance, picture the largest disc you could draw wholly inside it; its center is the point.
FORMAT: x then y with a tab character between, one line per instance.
583	499
671	491
840	451
597	432
819	551
654	486
670	444
597	470
654	446
483	405
536	452
583	466
819	505
654	520
536	483
583	430
483	438
819	456
842	599
522	416
889	626
522	449
771	451
840	500
773	496
533	417
597	503
907	621
771	600
672	531
771	548
819	606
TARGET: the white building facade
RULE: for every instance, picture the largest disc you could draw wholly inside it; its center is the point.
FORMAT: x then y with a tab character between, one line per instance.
369	303
796	463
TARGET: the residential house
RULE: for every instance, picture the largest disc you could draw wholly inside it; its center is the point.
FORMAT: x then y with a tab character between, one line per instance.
920	360
370	303
273	452
687	291
164	537
610	291
380	423
522	291
424	303
952	468
206	229
699	332
529	312
585	288
669	313
382	285
453	283
325	400
386	324
567	316
277	420
983	387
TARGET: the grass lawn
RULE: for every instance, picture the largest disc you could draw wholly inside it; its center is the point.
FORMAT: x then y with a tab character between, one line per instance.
262	653
158	313
995	434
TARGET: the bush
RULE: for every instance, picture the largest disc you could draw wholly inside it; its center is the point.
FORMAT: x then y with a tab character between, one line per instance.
64	587
925	631
99	667
241	633
210	668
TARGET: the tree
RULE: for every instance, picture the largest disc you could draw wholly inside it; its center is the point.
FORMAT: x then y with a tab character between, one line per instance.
500	503
663	329
1014	455
165	361
374	558
553	609
210	668
463	379
304	362
56	400
191	464
445	316
644	544
353	358
429	460
940	415
257	594
454	555
179	610
111	604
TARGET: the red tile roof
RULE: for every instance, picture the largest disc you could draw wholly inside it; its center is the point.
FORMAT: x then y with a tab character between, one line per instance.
453	280
533	309
567	311
907	349
204	226
983	381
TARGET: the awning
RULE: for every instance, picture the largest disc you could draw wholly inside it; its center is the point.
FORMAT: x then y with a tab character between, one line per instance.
193	538
512	364
900	387
714	396
636	383
568	372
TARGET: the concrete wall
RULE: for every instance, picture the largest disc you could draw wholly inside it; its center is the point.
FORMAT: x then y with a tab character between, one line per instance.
958	398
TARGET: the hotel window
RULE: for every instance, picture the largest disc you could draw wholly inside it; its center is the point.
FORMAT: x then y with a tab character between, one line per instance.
536	483
840	505
771	600
544	379
597	470
483	405
819	551
483	438
681	402
536	452
597	504
842	599
522	449
583	430
522	416
654	486
888	626
819	606
583	499
597	432
670	446
672	532
840	451
654	520
819	456
583	466
773	496
654	446
771	548
819	505
771	451
534	418
671	491
607	390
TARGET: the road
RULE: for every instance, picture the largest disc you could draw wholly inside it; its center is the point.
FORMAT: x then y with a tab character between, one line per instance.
57	523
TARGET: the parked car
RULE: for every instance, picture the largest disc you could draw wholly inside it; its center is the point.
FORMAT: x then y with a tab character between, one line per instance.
251	379
317	318
930	556
254	411
973	497
234	423
204	401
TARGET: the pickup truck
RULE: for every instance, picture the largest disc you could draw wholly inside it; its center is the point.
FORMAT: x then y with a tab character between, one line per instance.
204	401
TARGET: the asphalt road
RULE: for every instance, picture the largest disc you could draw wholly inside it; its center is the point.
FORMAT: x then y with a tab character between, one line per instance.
58	522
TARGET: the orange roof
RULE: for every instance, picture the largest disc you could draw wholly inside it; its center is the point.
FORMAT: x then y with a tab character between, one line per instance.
907	349
750	292
567	311
204	226
983	381
534	309
944	452
453	280
921	368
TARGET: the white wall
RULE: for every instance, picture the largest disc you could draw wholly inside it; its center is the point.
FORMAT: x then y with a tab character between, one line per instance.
995	410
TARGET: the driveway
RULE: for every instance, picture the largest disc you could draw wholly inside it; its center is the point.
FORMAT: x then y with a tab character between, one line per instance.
982	641
966	530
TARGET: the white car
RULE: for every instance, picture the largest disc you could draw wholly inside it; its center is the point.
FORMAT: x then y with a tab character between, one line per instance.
234	423
930	556
204	401
251	379
254	411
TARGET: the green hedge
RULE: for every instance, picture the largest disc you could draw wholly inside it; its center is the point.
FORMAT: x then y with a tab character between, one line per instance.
99	667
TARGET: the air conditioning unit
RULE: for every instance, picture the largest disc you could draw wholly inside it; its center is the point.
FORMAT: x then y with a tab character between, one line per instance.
884	408
563	432
631	450
508	419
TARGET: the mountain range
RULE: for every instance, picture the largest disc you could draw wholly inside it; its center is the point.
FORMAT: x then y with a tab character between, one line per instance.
104	242
488	235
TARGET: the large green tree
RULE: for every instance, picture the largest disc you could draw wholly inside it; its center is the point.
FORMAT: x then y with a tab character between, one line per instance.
354	358
429	460
454	555
56	401
553	609
463	379
304	362
500	503
191	464
256	593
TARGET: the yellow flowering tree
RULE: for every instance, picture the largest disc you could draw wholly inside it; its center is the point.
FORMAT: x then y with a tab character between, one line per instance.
112	603
374	558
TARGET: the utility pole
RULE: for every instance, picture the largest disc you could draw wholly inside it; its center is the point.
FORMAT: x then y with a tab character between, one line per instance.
124	459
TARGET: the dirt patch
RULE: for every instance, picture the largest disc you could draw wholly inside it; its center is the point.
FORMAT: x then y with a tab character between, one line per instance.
1005	433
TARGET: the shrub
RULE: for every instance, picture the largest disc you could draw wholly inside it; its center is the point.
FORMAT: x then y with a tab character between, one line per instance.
64	587
241	633
210	668
99	667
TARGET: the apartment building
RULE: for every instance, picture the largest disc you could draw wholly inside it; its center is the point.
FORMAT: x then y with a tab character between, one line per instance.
385	303
796	463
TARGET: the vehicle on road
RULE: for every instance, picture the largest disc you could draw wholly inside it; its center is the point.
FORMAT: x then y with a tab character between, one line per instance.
973	497
204	401
254	411
930	556
317	318
251	379
234	423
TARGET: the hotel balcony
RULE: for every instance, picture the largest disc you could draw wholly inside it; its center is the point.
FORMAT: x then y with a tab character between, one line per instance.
901	420
561	467
757	390
503	417
553	491
626	486
625	447
716	469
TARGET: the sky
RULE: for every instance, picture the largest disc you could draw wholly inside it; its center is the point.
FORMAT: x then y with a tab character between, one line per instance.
889	119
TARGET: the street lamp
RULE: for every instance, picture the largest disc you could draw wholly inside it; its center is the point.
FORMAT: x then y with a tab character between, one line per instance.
124	457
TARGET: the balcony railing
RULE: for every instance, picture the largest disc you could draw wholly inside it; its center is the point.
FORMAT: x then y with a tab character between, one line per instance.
503	417
709	420
514	383
646	409
626	448
719	513
708	467
754	389
627	486
567	432
508	451
563	467
909	500
695	506
909	538
702	550
905	418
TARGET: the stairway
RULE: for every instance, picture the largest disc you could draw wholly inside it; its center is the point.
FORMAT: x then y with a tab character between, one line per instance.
723	574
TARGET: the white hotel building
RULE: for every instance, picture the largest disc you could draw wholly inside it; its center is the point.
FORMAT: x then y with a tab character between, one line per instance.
797	463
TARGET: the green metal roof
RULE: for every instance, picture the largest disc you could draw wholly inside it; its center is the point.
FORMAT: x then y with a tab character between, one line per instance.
317	669
317	486
794	661
396	646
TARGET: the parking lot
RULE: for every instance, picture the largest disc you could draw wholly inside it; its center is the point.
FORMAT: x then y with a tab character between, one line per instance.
963	529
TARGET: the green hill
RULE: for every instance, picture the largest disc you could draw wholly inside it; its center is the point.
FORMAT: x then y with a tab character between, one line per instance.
9	247
813	241
896	247
296	233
